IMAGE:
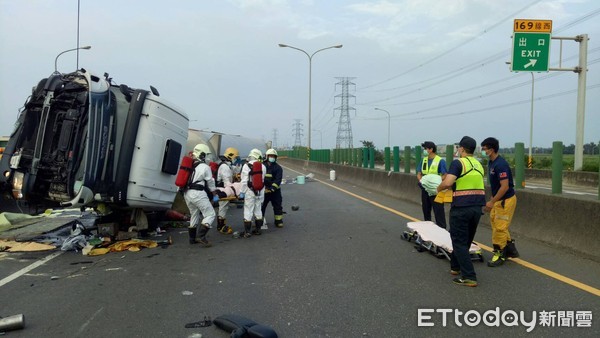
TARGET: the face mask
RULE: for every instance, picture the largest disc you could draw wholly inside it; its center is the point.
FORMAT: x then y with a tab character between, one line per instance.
457	153
272	159
483	154
425	153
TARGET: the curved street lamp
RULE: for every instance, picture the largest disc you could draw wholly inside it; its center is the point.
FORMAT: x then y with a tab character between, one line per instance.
66	51
310	56
389	120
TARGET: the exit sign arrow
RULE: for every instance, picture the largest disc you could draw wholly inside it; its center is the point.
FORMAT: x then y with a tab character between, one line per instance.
531	63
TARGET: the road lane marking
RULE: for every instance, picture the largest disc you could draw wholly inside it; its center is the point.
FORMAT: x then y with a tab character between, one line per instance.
26	269
549	273
519	261
84	326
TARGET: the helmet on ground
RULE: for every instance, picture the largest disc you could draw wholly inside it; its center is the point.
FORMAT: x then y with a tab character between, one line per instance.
255	154
271	152
231	153
201	150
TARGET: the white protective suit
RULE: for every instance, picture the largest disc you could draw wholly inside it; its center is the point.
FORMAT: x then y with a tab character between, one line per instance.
252	201
225	175
197	200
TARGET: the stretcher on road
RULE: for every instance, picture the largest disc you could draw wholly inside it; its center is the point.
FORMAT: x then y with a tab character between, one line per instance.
430	237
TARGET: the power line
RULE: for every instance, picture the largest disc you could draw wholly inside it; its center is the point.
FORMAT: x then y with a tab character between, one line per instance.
469	68
540	98
470	39
511	77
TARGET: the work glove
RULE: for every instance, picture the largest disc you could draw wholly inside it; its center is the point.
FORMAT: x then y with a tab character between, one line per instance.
241	196
215	198
267	190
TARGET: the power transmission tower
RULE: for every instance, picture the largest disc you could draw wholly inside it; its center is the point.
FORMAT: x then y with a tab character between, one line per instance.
297	133
274	145
344	134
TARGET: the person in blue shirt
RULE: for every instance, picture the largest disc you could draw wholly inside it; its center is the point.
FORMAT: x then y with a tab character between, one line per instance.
502	204
432	165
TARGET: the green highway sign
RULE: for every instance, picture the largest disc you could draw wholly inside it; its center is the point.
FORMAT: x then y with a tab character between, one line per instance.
531	52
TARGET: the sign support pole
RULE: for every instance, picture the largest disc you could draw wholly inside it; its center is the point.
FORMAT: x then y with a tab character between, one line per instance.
530	160
582	70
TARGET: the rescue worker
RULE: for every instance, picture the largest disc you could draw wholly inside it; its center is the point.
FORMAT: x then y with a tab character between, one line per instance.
236	166
252	197
432	164
465	177
197	197
224	179
502	204
273	178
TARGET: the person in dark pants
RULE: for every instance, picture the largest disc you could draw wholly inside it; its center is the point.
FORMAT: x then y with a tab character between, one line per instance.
465	177
273	187
432	165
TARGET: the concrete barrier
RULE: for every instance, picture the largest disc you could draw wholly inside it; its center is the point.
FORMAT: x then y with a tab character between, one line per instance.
570	177
569	223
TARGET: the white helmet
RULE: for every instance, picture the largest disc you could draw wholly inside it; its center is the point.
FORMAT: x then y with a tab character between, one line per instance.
271	152
256	154
201	150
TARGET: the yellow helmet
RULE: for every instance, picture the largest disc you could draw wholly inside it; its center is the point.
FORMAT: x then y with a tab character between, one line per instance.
231	153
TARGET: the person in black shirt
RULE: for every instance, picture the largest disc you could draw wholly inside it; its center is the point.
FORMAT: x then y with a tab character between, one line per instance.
502	204
273	187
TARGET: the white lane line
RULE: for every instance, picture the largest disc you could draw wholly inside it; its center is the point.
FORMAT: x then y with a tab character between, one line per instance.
82	328
26	269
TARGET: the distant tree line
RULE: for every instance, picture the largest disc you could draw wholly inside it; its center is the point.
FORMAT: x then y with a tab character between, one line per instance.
588	149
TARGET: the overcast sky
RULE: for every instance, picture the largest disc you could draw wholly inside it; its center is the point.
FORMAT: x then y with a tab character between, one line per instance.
438	67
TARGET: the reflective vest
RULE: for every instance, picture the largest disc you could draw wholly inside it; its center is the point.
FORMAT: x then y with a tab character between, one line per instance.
470	181
433	169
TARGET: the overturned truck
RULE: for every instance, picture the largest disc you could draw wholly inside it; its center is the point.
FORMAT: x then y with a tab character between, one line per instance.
83	141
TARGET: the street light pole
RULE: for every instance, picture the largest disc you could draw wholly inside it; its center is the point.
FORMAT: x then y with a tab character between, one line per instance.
65	51
310	56
389	122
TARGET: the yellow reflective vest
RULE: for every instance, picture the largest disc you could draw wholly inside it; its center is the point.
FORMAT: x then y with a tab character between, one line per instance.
470	181
433	169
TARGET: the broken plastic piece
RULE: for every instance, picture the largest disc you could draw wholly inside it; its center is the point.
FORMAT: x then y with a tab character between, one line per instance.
203	323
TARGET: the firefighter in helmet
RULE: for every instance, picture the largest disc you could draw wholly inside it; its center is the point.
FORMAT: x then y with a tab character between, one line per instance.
273	178
197	197
252	192
225	179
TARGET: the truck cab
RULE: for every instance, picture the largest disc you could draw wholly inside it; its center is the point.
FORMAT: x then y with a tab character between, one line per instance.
81	140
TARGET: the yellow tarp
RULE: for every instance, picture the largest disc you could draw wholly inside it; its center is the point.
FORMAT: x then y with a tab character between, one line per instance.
131	245
12	246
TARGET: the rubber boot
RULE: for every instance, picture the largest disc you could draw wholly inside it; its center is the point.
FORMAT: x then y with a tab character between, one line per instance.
498	258
223	228
192	234
258	223
510	250
202	236
220	224
247	229
279	221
